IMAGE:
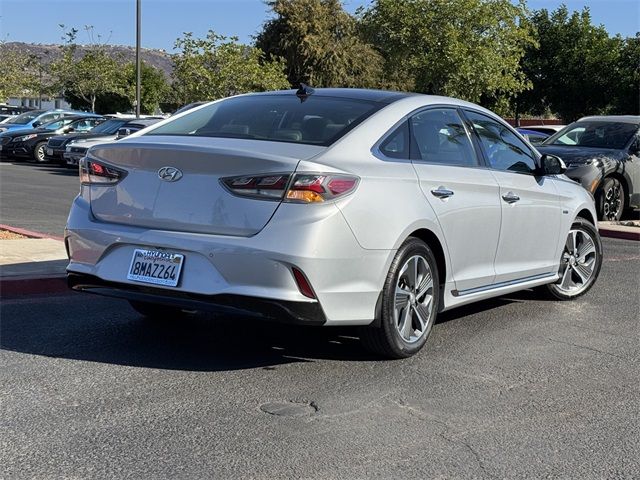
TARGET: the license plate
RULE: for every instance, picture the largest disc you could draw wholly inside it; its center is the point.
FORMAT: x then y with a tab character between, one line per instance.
50	152
153	266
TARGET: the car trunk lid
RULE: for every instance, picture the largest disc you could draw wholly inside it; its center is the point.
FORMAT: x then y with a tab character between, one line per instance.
197	201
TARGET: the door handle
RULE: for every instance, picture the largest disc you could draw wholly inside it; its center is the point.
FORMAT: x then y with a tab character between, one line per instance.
510	197
442	192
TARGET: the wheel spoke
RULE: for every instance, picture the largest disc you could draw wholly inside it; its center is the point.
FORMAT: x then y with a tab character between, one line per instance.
406	329
587	248
583	272
415	273
425	284
422	315
402	297
571	242
566	278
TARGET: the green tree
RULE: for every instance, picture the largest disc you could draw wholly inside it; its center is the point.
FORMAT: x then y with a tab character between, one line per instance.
320	44
153	87
470	49
95	73
18	72
627	92
573	70
218	66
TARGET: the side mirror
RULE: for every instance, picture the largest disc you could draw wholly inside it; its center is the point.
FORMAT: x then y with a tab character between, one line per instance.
123	132
36	124
552	165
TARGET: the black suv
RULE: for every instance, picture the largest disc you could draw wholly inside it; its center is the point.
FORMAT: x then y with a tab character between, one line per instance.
603	154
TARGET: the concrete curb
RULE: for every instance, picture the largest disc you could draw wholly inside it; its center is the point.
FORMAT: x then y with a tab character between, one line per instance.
620	234
29	233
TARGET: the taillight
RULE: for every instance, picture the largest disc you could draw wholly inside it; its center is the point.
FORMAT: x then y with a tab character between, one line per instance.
267	187
299	188
92	172
311	188
303	284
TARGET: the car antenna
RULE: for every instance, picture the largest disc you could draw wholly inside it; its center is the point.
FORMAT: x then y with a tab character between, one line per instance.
304	91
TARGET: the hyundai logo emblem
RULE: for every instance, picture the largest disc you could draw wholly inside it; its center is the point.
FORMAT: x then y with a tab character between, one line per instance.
169	174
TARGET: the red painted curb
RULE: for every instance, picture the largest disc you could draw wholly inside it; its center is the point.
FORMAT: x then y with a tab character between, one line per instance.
624	235
10	288
29	233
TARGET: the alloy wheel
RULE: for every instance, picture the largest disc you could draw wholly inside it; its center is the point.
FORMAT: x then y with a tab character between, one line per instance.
579	261
413	299
40	153
612	202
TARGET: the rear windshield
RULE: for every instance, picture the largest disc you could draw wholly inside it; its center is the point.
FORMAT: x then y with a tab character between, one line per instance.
283	118
595	134
25	117
110	126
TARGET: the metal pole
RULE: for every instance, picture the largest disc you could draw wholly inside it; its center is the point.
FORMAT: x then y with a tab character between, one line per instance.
138	16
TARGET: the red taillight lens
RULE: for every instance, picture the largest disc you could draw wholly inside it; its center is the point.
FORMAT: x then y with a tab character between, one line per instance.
302	188
311	188
92	172
266	187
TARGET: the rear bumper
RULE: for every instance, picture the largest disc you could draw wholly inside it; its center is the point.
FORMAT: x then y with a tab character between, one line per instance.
346	278
300	313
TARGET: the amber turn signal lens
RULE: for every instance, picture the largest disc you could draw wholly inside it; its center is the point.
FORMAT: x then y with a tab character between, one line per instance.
306	196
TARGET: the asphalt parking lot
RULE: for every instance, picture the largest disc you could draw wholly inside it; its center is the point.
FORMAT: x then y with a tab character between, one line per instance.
515	387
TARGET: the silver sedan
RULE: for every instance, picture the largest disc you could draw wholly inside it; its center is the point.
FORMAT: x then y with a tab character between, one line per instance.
329	207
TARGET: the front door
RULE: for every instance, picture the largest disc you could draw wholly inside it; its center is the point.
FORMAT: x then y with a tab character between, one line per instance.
531	210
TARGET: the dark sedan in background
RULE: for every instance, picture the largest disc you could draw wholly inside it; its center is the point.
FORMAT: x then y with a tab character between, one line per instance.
57	145
31	143
603	154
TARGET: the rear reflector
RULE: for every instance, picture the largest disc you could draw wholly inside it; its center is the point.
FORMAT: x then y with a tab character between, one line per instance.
303	284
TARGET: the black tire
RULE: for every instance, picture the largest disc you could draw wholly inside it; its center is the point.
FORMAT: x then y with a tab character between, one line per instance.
554	290
385	339
155	310
611	203
39	152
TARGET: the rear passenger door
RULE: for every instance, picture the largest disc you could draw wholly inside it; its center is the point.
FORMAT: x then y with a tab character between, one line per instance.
531	212
462	192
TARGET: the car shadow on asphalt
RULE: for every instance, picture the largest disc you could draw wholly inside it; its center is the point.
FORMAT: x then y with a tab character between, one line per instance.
95	329
52	168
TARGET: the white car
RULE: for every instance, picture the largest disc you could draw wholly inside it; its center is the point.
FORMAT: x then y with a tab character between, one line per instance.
329	207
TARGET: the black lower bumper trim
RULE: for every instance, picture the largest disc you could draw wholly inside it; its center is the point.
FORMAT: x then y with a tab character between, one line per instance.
301	313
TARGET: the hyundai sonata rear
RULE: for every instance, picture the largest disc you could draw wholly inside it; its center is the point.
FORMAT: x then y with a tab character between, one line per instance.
313	207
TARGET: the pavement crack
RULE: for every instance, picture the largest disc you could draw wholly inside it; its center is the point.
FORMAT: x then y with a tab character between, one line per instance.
471	450
577	345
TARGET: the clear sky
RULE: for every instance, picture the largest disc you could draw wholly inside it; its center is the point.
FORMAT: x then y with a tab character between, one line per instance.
165	20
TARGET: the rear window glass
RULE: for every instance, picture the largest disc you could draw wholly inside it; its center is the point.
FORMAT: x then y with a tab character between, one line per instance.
284	118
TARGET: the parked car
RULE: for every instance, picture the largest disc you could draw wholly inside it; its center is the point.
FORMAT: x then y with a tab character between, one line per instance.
534	137
57	145
329	207
188	106
32	143
548	129
4	117
77	148
35	118
603	154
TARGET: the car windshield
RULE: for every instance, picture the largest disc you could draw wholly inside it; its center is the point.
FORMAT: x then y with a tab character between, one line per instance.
25	117
318	120
595	134
56	124
110	126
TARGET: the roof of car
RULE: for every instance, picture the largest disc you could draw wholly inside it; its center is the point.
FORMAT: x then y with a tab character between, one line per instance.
382	96
612	118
